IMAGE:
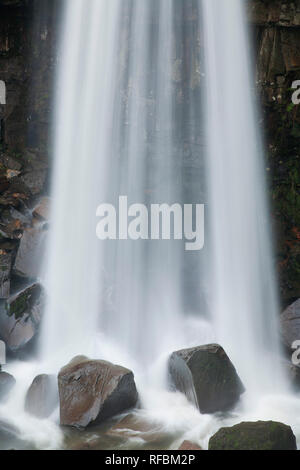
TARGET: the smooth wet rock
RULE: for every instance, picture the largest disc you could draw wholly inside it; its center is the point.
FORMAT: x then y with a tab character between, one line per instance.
7	383
31	251
254	436
42	209
20	320
187	445
5	272
93	391
290	325
207	377
42	396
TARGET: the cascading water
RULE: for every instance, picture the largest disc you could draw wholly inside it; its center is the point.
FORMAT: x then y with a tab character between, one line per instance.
114	136
128	123
244	303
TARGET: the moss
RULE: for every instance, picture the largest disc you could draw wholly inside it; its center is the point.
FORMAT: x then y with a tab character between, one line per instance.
23	302
254	436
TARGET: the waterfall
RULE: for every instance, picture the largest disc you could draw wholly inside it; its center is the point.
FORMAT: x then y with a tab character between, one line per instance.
115	136
244	303
138	116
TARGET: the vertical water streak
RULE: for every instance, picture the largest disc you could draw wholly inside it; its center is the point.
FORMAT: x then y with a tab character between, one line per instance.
243	295
82	139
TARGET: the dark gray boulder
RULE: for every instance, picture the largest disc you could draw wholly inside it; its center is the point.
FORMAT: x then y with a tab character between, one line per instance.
290	325
207	377
7	383
254	436
93	391
20	320
5	272
42	396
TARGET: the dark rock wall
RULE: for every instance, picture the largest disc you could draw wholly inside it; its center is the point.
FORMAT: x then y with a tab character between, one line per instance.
28	38
277	36
28	55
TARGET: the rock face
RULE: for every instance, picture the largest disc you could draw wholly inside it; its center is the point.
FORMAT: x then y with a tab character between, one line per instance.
290	324
42	396
19	323
254	436
7	383
92	391
207	377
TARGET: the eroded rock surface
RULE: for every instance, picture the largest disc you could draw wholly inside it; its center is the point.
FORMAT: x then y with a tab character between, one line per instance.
93	391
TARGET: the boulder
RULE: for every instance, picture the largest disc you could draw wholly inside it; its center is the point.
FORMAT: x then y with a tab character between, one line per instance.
207	377
13	222
35	181
42	210
92	391
254	436
20	321
5	271
30	253
290	325
187	445
7	383
42	396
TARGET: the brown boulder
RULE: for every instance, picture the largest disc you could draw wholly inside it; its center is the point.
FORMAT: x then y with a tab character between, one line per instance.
92	391
187	445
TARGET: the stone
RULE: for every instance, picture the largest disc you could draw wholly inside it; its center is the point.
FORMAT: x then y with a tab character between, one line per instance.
187	445
42	210
254	436
42	396
13	222
31	252
20	321
93	391
5	271
207	377
290	325
35	181
7	383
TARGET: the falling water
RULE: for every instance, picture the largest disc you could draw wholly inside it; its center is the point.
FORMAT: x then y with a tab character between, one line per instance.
115	135
128	123
244	303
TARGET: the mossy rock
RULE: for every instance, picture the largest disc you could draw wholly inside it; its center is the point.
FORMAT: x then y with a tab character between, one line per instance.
23	302
262	435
